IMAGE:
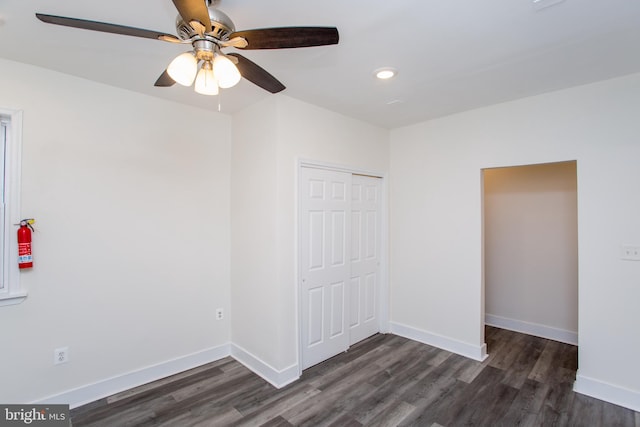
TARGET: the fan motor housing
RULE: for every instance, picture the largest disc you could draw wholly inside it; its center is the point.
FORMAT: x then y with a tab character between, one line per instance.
221	26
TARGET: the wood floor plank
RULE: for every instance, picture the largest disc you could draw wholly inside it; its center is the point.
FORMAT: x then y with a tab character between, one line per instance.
399	353
526	406
585	411
436	405
154	395
490	411
345	421
475	402
557	405
408	361
203	383
272	408
438	356
398	380
428	389
218	397
202	416
457	366
435	396
613	415
496	343
504	358
392	415
277	422
546	364
354	366
334	398
210	369
382	410
385	380
524	362
471	370
126	412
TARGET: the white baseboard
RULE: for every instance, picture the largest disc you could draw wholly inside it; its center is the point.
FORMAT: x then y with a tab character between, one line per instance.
101	389
464	349
110	386
277	378
535	329
607	392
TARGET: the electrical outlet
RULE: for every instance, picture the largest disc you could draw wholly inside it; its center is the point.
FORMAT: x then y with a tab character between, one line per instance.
219	314
60	355
630	253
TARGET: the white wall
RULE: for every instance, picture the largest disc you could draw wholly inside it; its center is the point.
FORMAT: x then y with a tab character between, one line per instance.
273	136
531	249
110	157
254	305
131	250
436	220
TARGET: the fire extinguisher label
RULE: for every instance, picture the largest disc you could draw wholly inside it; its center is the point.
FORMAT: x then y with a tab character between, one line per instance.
24	253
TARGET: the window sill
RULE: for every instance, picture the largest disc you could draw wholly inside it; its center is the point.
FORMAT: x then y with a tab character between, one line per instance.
12	299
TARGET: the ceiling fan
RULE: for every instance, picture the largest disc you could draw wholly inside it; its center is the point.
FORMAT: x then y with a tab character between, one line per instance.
208	30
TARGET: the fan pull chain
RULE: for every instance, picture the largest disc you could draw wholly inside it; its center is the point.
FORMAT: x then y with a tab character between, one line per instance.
219	101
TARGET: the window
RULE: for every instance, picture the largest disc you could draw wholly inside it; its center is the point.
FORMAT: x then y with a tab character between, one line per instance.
10	152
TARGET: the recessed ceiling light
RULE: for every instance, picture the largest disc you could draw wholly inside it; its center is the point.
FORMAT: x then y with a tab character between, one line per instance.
385	73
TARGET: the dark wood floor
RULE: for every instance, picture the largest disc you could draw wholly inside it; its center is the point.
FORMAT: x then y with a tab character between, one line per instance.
385	380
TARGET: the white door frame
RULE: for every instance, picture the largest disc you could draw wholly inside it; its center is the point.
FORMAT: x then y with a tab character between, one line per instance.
383	297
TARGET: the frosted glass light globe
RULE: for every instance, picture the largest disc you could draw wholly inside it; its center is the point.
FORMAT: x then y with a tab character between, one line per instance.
206	83
226	72
183	68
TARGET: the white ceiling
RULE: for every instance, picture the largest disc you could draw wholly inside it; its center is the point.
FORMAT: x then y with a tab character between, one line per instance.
452	55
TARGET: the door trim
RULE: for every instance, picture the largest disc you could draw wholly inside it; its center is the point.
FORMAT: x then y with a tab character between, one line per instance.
383	297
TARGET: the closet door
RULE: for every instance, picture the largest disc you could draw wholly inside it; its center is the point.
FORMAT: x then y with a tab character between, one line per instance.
325	268
364	284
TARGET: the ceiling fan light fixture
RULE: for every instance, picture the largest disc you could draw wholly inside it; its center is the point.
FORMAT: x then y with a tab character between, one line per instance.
225	72
385	73
183	68
209	30
206	83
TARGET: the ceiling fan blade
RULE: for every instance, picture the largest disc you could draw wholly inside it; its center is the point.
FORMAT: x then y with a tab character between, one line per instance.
164	80
238	42
106	28
194	10
288	37
257	75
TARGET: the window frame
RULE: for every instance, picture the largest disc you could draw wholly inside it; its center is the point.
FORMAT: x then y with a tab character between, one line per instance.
11	292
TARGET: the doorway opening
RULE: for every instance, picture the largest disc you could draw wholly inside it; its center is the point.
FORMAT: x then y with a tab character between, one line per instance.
531	249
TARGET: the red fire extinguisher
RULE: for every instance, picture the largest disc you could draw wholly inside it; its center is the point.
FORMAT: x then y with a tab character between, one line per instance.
25	258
